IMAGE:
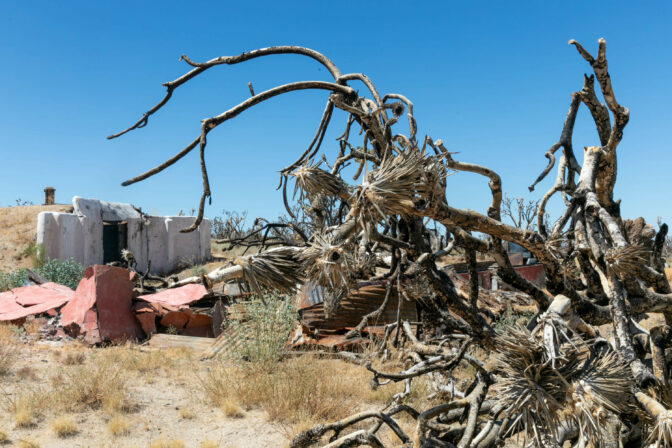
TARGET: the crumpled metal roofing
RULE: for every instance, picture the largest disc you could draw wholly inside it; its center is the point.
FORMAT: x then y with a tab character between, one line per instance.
21	302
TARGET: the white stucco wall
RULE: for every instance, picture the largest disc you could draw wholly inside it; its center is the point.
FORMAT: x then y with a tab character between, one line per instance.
79	235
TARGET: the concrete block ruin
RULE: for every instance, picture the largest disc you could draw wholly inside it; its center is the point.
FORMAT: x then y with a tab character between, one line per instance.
96	232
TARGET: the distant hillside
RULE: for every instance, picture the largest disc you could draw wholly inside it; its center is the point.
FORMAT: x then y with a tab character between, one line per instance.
17	230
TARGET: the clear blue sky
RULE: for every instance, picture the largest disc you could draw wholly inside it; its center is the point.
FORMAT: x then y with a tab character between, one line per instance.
492	79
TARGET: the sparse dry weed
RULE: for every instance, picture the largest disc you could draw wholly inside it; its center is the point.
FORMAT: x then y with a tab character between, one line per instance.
24	408
64	427
118	426
24	418
32	326
163	442
99	385
187	414
292	391
209	444
74	359
4	438
230	408
8	332
27	373
8	357
29	442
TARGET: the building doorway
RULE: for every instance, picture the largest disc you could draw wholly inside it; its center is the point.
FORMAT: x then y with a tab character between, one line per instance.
115	238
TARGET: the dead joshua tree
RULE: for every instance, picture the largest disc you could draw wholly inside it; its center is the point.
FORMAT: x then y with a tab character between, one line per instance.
558	380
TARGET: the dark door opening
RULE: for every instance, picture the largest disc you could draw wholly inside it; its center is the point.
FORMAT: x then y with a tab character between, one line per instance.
115	237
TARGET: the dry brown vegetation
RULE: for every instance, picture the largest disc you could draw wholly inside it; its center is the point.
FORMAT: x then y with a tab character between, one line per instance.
64	426
74	391
17	232
169	397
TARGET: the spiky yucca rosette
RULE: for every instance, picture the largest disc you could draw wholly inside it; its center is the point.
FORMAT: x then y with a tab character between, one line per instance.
601	385
529	388
313	181
626	260
398	185
658	417
277	268
329	265
582	387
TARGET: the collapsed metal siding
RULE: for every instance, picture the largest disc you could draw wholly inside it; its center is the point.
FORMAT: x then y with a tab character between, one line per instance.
359	302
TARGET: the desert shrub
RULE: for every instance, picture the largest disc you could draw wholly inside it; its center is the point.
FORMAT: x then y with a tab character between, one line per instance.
36	253
264	332
510	318
67	272
198	270
9	280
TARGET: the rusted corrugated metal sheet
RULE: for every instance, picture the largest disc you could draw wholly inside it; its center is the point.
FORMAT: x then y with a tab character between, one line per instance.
359	302
534	273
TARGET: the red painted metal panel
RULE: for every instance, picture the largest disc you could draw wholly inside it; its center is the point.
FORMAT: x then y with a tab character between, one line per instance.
114	297
109	289
82	301
534	273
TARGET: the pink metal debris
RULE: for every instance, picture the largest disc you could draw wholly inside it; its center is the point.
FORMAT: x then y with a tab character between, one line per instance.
101	308
177	297
28	300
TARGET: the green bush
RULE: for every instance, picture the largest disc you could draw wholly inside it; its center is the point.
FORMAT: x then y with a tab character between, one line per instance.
511	319
262	335
198	270
67	272
9	280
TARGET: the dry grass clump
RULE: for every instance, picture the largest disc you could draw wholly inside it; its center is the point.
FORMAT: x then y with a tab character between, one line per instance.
26	407
29	442
128	358
64	427
8	332
163	442
209	444
292	391
32	326
24	418
230	408
8	357
118	426
27	373
4	438
74	359
187	414
100	385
